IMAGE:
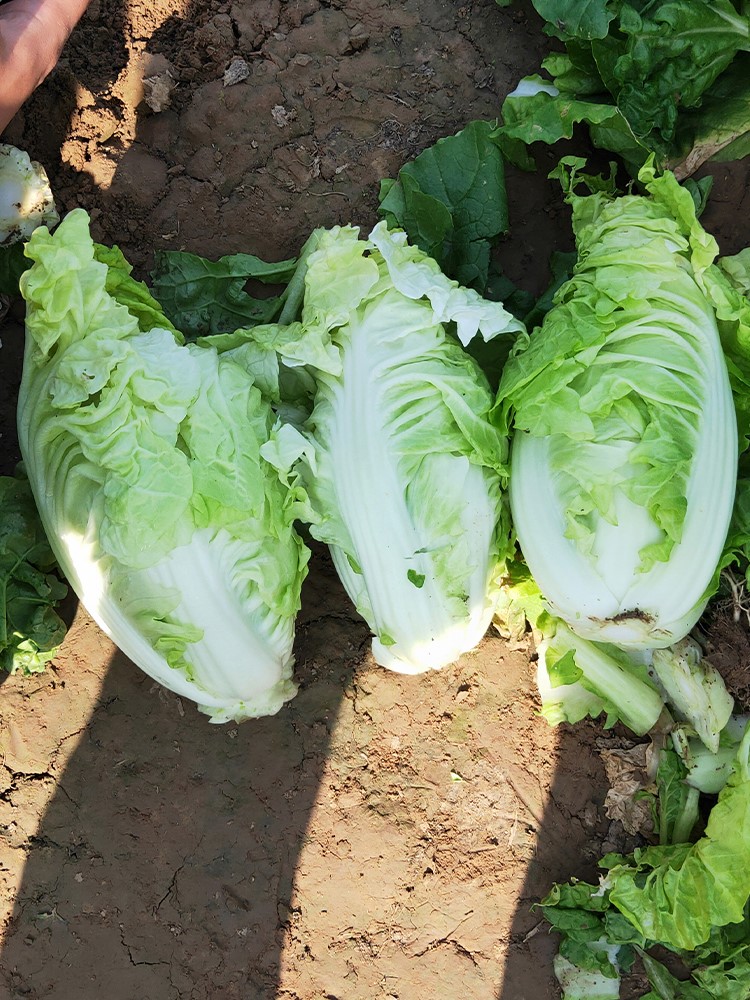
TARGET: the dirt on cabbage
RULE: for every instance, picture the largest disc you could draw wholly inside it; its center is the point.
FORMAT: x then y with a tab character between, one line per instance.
382	836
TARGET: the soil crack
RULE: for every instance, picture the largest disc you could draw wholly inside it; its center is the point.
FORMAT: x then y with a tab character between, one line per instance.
170	887
448	938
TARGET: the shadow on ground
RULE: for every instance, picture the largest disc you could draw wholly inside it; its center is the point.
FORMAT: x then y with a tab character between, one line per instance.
158	816
568	843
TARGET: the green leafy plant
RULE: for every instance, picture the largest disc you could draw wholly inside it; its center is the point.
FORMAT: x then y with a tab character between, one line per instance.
30	589
668	77
690	898
451	201
204	297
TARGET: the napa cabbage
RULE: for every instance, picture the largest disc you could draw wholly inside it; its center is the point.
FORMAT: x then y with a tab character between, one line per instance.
26	200
144	457
624	455
403	470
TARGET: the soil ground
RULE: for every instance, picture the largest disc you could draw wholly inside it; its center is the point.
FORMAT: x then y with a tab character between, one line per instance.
382	836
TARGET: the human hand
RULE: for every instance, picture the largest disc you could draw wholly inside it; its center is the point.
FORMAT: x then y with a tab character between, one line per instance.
32	36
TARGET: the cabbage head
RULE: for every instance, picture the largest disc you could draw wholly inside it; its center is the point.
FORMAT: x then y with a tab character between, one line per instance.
402	468
143	455
624	454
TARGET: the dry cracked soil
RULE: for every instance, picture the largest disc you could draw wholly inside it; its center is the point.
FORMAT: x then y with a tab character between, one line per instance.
382	836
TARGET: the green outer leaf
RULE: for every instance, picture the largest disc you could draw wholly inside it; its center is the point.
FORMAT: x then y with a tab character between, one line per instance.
668	987
729	980
678	804
673	53
572	896
567	702
625	691
719	129
668	78
576	18
12	265
547	118
30	629
425	218
676	895
203	297
575	72
592	943
726	285
563	670
132	294
699	190
451	202
587	918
